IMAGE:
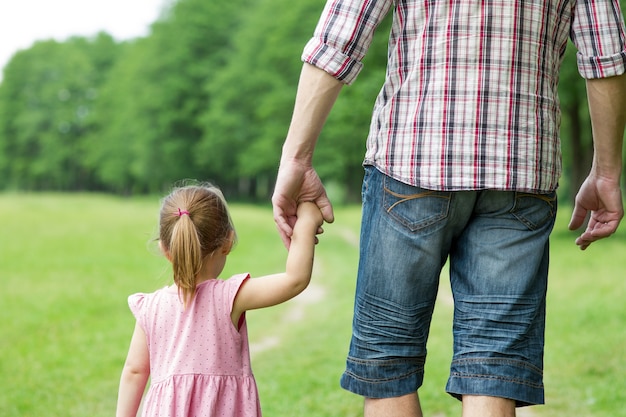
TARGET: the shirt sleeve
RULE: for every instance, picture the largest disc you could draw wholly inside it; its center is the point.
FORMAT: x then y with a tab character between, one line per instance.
343	35
600	37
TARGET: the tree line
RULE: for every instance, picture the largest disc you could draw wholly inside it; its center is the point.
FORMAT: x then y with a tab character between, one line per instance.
208	94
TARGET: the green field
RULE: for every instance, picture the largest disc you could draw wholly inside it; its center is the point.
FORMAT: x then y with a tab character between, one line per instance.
68	262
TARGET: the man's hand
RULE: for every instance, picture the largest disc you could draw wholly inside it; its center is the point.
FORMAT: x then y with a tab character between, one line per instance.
297	183
603	198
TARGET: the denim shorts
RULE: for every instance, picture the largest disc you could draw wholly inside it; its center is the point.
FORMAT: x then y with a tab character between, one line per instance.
497	246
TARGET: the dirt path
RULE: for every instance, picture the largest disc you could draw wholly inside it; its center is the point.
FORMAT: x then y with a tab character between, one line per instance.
314	293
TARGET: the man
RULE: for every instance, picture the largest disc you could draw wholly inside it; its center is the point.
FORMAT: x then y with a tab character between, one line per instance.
462	163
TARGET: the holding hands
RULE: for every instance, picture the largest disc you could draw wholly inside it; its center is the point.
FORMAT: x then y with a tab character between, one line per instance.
298	183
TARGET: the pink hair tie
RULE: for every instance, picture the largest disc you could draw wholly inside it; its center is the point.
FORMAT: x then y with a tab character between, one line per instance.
182	212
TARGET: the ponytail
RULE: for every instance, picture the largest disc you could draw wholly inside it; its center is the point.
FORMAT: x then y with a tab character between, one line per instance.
186	256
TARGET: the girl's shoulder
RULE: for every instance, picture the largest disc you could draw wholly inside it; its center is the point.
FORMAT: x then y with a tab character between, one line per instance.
140	300
237	279
168	289
234	280
225	288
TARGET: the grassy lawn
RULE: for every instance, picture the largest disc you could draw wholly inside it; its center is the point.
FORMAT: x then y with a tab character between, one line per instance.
68	262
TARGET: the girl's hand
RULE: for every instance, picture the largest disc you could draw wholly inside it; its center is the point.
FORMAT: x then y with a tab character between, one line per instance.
309	211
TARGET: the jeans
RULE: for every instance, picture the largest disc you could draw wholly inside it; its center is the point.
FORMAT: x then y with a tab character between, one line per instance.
497	246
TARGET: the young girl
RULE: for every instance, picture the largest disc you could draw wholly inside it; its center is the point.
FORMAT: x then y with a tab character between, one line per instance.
191	337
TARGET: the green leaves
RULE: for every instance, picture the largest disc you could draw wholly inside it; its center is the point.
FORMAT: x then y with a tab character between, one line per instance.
46	97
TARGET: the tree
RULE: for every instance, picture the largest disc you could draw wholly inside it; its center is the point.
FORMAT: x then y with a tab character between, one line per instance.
151	108
45	99
253	94
118	121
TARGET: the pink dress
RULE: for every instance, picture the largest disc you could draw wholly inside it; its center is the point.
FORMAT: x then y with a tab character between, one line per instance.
199	361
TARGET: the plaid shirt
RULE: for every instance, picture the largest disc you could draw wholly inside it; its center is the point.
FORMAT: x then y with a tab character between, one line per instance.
470	96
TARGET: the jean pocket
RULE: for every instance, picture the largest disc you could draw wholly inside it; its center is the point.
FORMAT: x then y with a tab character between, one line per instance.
413	207
367	178
535	210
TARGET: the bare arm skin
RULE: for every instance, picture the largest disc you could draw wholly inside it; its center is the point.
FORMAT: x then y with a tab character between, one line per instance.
600	193
297	181
274	289
134	375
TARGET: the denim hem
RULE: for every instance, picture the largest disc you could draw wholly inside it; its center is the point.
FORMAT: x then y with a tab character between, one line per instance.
515	380
381	389
383	378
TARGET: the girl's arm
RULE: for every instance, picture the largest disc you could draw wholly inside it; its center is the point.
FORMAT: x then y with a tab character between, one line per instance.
134	375
274	289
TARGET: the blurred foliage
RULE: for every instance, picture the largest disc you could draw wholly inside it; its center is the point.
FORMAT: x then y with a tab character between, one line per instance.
207	94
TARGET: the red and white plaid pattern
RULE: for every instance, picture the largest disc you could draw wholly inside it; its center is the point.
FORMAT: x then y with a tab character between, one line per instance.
470	97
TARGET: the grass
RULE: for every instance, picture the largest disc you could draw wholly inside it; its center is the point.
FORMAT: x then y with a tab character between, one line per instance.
68	262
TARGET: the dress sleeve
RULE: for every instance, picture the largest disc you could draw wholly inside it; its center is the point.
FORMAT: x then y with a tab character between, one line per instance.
234	283
137	307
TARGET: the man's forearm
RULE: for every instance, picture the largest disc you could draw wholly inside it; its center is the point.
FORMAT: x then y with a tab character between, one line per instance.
316	95
607	107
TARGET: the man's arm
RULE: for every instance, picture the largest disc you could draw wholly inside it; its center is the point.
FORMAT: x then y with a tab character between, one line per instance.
600	194
297	181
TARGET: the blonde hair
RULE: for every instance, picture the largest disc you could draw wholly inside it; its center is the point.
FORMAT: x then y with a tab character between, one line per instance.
193	223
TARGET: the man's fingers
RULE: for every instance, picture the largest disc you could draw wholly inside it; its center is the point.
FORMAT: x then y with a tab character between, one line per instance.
578	217
596	230
326	208
284	226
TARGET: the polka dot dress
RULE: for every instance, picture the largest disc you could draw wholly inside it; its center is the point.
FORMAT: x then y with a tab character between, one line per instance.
199	361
